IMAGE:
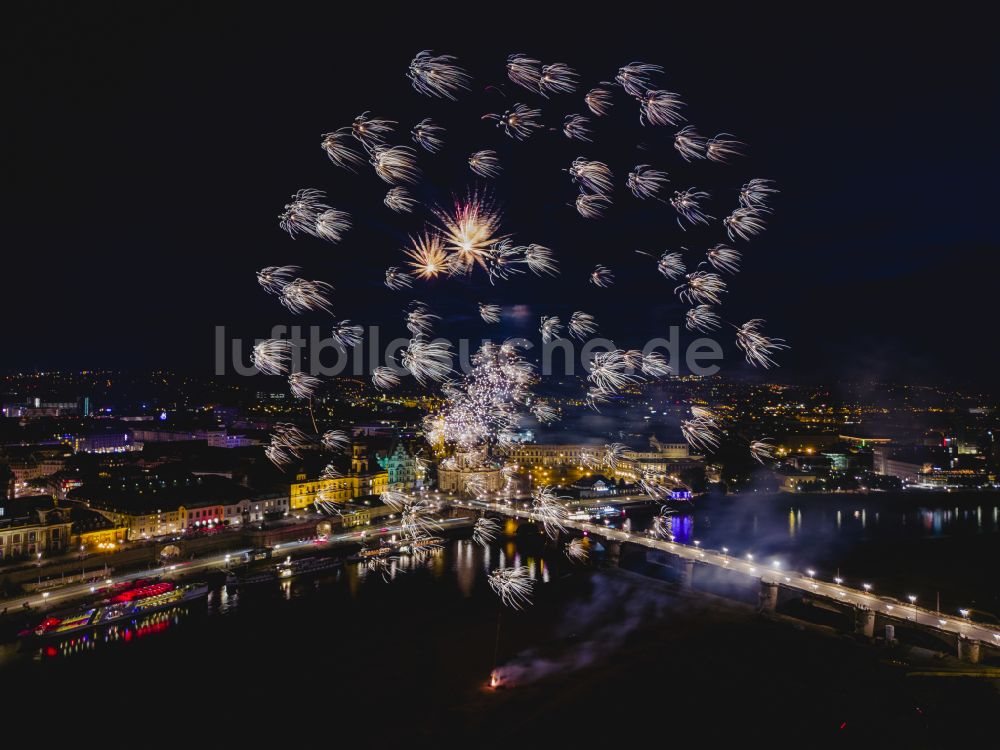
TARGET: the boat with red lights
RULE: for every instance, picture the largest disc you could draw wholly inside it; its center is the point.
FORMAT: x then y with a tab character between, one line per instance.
119	604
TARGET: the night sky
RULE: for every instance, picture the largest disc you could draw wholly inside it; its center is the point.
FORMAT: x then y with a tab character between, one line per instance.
148	153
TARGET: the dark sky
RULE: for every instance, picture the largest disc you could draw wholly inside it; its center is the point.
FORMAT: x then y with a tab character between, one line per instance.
148	153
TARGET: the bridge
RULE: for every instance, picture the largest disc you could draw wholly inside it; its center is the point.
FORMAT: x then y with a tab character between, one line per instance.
968	639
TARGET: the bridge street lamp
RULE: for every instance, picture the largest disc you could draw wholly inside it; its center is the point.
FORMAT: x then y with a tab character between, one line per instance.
913	601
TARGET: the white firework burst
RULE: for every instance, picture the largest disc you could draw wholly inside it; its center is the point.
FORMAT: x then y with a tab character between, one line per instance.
437	75
272	356
701	287
339	147
485	163
550	510
300	295
758	347
581	325
660	107
614	455
400	200
723	147
671	265
489	313
397	279
337	441
540	260
701	318
544	412
700	434
302	212
744	223
385	378
724	258
330	471
577	127
332	225
524	71
599	101
602	276
428	135
762	450
756	193
594	176
346	334
274	278
519	122
302	385
513	585
428	256
427	360
592	206
550	328
687	203
635	77
485	531
395	164
612	371
371	131
557	78
577	550
655	365
420	320
689	144
645	182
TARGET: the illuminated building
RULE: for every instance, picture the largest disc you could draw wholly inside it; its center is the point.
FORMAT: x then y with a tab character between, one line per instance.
303	492
33	525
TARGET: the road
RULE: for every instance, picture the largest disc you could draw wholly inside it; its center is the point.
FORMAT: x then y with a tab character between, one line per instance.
772	571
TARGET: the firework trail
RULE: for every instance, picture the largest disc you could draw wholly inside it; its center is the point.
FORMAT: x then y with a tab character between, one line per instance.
687	203
602	276
302	213
701	287
722	148
614	454
524	71
400	200
577	127
545	413
599	101
592	206
757	347
339	147
385	378
549	509
611	371
671	265
300	295
371	131
428	258
577	551
503	260
274	278
489	313
645	182
272	356
744	223
519	122
655	365
593	176
420	320
330	471
437	75
581	325
470	231
332	225
302	385
724	258
550	328
540	260
428	135
337	441
762	450
427	360
397	279
660	108
689	144
485	163
701	318
635	77
513	586
756	193
395	164
346	335
485	531
700	434
557	78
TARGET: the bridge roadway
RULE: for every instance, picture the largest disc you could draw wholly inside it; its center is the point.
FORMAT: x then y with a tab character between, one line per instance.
775	575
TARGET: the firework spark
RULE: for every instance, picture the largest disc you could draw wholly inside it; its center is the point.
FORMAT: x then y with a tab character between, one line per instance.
485	163
420	319
756	193
645	182
337	441
503	260
437	75
602	276
485	531
302	212
330	471
513	586
701	287
723	147
762	450
544	413
687	203
339	147
371	131
400	200
592	206
540	260
489	313
395	164
470	230
397	279
550	510
744	223
700	433
524	71
347	335
655	365
302	385
689	144
758	347
557	78
701	318
550	328
272	356
671	265
599	101
428	135
724	258
581	325
611	371
300	295
427	360
594	176
428	256
332	225
635	77
385	378
660	108
518	122
577	551
577	127
274	278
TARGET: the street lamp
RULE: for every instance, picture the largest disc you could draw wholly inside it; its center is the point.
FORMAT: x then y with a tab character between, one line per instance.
913	601
867	587
811	573
838	580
